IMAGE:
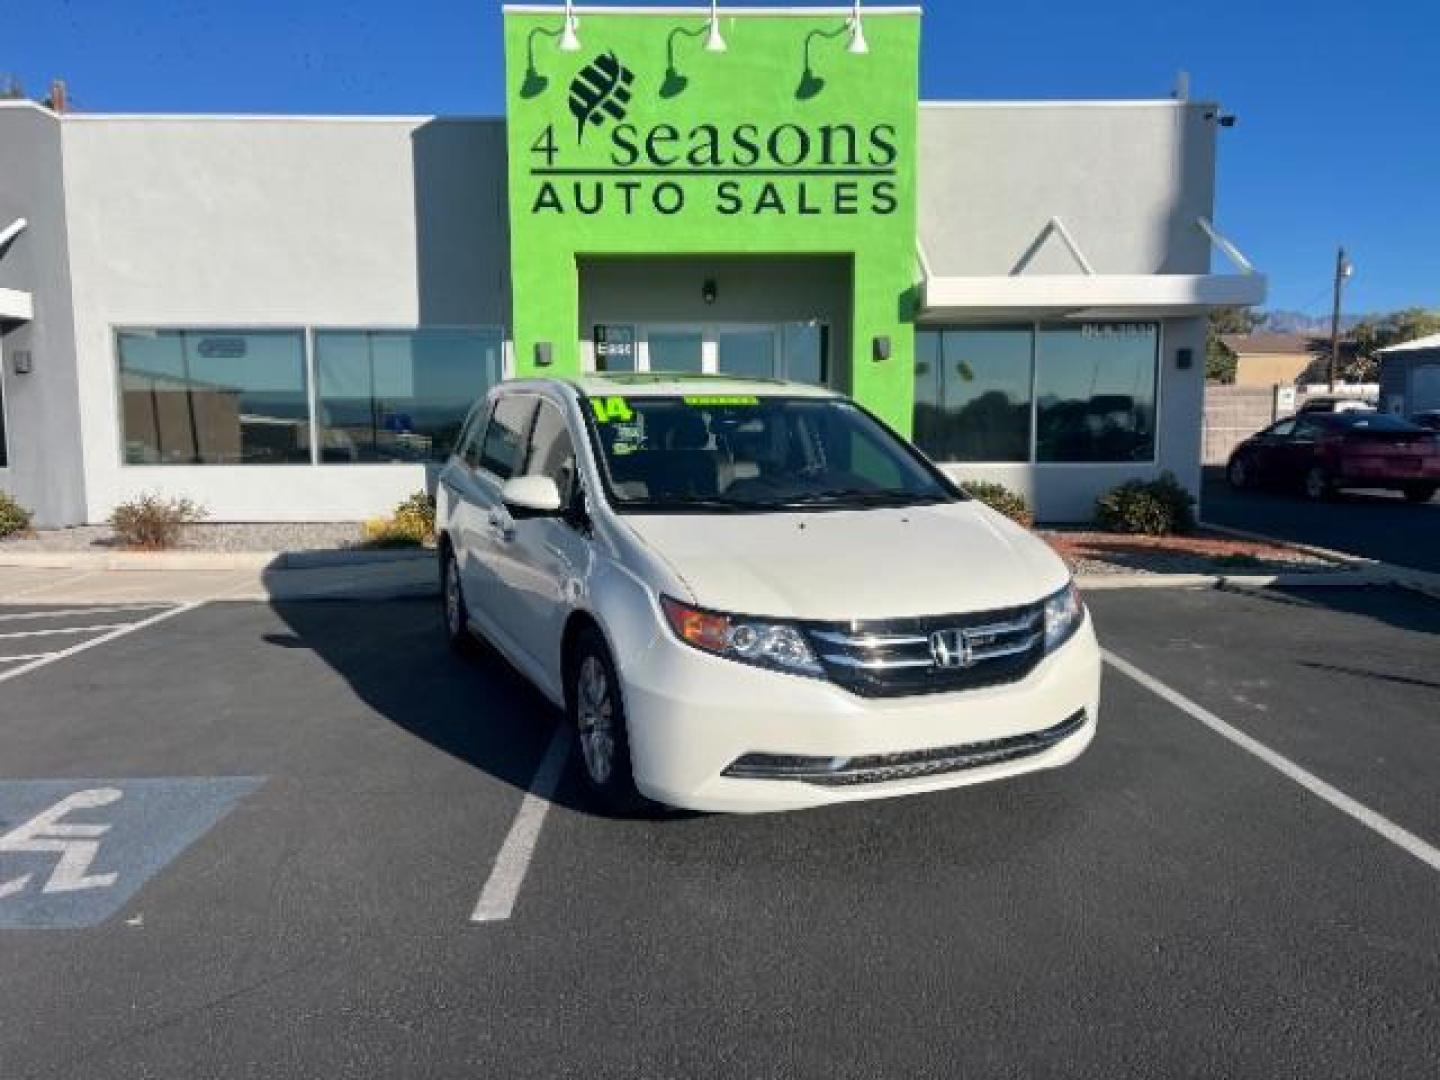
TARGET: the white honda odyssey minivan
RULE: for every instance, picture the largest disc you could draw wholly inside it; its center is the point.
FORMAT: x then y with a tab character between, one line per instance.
752	595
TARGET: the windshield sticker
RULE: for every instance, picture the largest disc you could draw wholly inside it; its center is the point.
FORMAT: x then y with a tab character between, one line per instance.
628	439
611	408
718	400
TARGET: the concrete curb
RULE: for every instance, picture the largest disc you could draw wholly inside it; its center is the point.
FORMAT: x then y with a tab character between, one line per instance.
1375	572
1289	580
1318	552
207	560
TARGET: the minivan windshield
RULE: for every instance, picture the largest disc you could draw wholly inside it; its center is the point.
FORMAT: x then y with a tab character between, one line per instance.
742	453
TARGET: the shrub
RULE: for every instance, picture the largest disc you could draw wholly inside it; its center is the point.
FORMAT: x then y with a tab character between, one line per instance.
153	523
14	518
412	524
999	497
1152	507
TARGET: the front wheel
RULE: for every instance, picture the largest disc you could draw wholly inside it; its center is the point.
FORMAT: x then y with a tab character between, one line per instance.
1318	487
1420	493
597	718
1238	473
452	594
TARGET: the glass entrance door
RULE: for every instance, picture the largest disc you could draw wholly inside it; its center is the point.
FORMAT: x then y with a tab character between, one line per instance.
796	351
674	348
747	352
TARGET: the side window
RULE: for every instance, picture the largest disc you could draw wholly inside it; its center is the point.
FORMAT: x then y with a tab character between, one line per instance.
552	453
1282	429
468	446
505	435
1305	428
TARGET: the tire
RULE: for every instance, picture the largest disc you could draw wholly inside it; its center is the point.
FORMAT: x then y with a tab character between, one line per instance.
1420	493
455	616
596	711
1318	486
1239	473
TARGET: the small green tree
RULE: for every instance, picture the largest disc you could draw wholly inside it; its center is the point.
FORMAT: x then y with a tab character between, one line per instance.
1374	333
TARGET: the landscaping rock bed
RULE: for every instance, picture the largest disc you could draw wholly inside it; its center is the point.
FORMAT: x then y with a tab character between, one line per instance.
1089	552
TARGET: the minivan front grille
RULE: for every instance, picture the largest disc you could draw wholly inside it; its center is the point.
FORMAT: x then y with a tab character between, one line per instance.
932	654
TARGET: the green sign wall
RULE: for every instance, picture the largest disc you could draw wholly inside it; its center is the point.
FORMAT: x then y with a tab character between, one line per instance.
644	143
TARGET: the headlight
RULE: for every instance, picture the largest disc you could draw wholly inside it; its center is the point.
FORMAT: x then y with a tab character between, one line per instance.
1063	612
778	646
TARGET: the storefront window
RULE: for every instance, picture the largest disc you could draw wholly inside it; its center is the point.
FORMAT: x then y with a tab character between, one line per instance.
399	395
214	397
972	393
1095	389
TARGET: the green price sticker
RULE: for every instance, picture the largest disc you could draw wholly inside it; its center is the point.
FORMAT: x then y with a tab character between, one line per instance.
716	400
611	408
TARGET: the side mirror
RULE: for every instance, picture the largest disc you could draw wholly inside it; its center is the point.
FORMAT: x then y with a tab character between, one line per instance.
531	496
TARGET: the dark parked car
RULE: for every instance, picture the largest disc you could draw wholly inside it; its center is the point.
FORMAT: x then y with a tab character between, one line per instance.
1430	419
1323	452
1335	405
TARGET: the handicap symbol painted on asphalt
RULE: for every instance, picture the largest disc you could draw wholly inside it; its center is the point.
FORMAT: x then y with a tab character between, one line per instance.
72	852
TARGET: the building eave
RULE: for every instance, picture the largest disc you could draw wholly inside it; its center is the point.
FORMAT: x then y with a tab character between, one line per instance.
1088	295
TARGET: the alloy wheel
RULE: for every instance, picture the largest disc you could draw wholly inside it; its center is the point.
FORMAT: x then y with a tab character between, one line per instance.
595	711
453	600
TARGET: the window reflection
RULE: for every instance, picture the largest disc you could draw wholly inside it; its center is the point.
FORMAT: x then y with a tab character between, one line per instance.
1095	389
399	395
972	393
214	397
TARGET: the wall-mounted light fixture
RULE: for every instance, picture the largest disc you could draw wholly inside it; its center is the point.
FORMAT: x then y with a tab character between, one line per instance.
569	37
709	291
858	44
714	42
810	83
880	348
544	353
675	83
535	83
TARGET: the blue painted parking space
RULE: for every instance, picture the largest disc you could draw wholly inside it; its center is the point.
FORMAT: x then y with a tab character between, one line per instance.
72	852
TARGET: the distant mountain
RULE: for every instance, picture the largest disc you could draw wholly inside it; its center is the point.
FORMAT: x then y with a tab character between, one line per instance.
1298	322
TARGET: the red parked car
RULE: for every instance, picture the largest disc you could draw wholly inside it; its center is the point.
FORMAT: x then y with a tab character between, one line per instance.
1324	452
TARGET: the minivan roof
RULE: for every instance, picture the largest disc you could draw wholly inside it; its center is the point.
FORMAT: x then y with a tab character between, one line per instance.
679	384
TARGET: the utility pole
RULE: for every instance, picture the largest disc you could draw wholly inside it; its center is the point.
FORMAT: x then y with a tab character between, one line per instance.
1342	270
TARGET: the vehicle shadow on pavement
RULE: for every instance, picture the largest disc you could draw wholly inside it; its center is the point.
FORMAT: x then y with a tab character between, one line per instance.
393	655
1389	604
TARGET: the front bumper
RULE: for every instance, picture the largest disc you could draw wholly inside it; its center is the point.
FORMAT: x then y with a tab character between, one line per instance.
693	717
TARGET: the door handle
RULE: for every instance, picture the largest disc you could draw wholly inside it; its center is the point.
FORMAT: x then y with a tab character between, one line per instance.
502	524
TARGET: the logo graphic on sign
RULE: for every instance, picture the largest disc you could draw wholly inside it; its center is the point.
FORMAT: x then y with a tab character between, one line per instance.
601	89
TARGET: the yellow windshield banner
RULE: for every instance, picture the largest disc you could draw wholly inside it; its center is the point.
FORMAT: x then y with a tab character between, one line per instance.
719	400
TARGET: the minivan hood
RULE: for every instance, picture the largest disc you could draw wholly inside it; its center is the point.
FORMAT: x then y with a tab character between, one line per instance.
838	565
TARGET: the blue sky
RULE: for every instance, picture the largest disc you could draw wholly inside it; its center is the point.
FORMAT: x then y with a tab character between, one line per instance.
1337	102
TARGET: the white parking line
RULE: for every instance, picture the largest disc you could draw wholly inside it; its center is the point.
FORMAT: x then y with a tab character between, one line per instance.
126	628
497	899
64	630
66	613
1378	823
26	656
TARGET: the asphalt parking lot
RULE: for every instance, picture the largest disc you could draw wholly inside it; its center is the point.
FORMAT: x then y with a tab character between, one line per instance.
244	840
1373	524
